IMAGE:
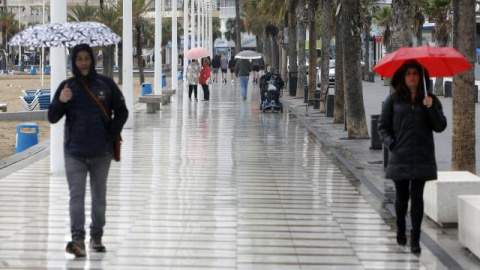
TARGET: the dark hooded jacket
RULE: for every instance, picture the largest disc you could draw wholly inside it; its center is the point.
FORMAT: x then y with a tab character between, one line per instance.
406	129
88	132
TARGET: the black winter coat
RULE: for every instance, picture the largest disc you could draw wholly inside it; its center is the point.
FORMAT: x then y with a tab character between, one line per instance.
88	133
407	131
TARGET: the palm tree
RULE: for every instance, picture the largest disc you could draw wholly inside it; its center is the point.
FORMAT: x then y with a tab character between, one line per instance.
402	36
109	15
238	44
438	10
384	19
292	38
139	22
463	139
82	13
327	20
356	121
339	108
418	16
368	8
312	47
7	25
231	32
302	21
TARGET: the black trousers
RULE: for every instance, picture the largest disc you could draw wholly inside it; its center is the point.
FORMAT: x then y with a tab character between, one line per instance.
206	92
192	87
412	189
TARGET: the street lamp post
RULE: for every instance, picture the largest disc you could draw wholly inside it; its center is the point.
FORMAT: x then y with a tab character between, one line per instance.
185	38
192	22
174	46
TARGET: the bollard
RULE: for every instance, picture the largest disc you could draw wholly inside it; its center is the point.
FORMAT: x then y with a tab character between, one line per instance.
376	142
305	93
316	99
476	94
330	105
164	80
33	70
448	89
292	81
385	158
371	76
146	89
26	139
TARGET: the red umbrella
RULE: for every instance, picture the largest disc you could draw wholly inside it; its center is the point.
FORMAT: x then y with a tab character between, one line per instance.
439	61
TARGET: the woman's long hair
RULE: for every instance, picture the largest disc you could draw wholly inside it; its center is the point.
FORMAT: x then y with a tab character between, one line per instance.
401	89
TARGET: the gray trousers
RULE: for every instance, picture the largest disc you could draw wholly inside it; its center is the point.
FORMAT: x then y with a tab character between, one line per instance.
77	169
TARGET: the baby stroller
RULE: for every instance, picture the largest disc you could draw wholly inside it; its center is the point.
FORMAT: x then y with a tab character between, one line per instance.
271	90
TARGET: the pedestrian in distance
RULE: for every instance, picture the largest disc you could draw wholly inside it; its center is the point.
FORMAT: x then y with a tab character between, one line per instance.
231	65
204	76
406	127
215	67
242	70
224	67
193	73
95	113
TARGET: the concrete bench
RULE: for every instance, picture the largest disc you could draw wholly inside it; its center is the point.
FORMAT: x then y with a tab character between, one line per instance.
3	107
440	197
468	221
153	101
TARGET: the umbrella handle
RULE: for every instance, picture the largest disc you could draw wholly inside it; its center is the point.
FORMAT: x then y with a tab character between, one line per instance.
424	82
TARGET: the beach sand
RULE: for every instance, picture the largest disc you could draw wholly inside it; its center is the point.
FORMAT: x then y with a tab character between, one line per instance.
11	87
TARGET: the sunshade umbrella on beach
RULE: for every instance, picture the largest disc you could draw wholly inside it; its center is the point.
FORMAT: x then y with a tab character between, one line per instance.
247	54
65	35
439	61
197	53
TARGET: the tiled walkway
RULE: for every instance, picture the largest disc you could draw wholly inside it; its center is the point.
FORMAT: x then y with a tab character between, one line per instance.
208	185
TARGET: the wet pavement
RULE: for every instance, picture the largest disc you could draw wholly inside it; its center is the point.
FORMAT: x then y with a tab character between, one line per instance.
214	185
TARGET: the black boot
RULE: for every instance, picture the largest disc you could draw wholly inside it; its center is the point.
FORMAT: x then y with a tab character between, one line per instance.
415	242
401	237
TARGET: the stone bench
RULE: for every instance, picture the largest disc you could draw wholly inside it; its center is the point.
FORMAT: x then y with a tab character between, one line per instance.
468	222
3	107
440	197
153	101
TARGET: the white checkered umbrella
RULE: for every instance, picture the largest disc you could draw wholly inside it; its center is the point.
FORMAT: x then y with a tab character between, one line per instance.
65	35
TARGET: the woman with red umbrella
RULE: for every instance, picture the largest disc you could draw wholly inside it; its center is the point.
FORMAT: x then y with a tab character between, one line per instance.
406	125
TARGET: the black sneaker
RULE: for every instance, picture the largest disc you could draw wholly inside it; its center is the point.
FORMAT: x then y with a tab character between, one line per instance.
76	247
96	244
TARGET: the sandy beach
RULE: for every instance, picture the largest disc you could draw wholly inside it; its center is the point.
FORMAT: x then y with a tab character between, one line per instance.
11	87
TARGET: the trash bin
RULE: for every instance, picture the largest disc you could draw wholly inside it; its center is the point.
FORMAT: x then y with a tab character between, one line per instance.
47	70
448	89
26	139
292	81
164	80
376	143
330	105
180	75
146	89
33	70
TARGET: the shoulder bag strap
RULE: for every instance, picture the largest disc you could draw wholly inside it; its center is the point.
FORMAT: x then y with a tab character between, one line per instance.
99	103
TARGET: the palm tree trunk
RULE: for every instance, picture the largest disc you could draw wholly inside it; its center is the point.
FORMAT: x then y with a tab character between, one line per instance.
238	43
312	47
438	89
402	36
284	70
356	121
292	40
302	36
138	27
366	60
326	37
120	63
339	108
463	139
275	52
